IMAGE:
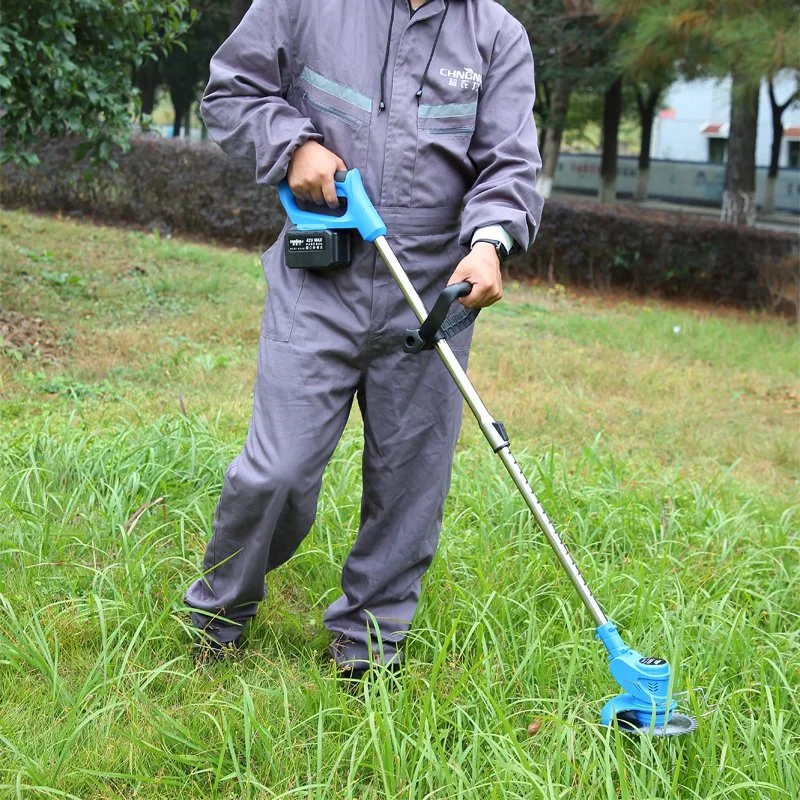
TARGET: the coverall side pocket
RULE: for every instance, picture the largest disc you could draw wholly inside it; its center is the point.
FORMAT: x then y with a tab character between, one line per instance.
284	287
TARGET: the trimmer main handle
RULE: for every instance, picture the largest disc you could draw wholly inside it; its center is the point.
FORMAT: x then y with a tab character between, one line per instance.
438	325
359	215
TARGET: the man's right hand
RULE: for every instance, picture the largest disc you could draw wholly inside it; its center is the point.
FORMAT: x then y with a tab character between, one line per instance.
311	171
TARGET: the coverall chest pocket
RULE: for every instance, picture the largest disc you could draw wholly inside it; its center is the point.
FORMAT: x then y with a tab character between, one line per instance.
339	112
444	133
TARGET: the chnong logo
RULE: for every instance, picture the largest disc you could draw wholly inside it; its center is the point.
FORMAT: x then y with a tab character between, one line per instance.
464	78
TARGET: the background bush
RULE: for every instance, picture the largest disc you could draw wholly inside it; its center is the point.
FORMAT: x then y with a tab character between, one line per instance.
168	184
667	253
194	188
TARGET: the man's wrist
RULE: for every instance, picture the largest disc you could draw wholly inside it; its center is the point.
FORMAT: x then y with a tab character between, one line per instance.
487	249
495	236
499	248
494	233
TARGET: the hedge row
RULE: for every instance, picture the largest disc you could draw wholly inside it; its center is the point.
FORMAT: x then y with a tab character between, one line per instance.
194	188
667	253
167	184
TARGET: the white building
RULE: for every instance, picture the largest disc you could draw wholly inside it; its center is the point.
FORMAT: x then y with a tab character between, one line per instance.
694	123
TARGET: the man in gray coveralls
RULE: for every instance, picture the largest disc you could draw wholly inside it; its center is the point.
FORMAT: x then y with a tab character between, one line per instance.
432	102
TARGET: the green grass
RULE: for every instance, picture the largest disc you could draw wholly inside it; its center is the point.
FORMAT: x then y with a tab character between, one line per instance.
669	461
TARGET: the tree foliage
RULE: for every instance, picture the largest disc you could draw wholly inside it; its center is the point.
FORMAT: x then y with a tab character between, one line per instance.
65	68
570	45
748	40
754	38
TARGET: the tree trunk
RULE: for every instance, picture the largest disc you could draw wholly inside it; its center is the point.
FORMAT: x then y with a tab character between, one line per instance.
146	81
176	126
769	194
647	111
542	108
182	103
775	152
612	112
739	194
238	10
559	104
777	139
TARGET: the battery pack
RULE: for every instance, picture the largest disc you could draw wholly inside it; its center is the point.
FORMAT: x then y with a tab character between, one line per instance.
322	249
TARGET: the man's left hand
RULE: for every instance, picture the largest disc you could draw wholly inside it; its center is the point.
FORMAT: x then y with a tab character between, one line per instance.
481	267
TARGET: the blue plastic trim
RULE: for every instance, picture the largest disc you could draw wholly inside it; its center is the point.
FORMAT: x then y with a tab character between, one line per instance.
647	714
610	637
360	215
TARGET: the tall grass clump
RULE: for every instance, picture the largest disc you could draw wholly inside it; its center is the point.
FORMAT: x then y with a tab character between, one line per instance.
103	526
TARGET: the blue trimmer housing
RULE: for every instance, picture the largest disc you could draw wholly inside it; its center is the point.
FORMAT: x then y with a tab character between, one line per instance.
644	680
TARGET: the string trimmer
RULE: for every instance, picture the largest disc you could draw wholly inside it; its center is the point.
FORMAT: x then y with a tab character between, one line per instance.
320	239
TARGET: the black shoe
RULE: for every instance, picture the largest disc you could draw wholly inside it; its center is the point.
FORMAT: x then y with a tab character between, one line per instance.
207	650
351	677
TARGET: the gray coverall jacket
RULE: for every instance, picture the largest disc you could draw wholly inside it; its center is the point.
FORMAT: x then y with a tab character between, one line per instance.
435	109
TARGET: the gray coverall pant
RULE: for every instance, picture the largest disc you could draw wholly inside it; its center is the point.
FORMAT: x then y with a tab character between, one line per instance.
437	165
310	367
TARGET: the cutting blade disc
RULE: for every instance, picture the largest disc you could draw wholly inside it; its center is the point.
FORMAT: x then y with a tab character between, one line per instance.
678	725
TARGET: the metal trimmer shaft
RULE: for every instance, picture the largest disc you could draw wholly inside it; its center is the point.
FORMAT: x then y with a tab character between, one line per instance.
495	435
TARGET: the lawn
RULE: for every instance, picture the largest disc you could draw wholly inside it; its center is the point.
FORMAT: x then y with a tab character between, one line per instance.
663	441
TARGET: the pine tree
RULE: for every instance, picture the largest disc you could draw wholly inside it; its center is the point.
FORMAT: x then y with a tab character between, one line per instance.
748	40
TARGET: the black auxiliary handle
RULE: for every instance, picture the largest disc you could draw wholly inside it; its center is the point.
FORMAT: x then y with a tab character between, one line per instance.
439	325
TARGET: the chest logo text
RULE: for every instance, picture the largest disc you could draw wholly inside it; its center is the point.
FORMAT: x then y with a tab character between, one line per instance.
465	78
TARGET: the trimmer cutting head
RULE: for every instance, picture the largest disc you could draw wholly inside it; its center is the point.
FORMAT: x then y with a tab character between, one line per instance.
645	707
678	724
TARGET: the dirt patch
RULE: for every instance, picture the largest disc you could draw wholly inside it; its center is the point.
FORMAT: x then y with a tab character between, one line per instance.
22	336
612	298
787	397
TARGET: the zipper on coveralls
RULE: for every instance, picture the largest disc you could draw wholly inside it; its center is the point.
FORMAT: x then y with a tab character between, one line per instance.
351	121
